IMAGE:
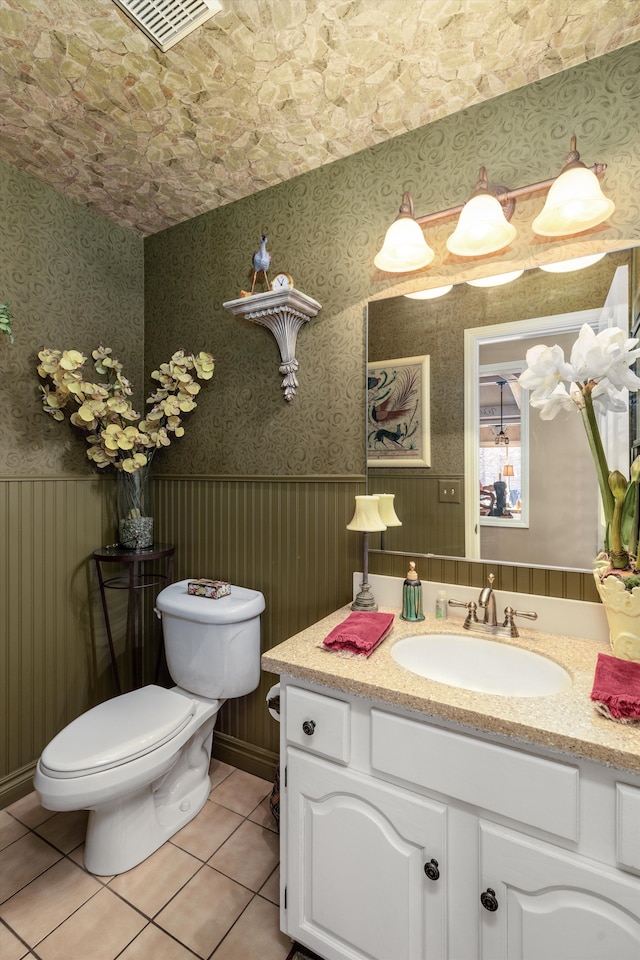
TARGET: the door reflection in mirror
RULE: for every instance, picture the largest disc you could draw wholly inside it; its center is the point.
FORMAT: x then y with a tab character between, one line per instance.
502	437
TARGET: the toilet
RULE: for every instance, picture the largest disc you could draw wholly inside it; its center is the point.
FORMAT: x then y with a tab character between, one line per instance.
140	762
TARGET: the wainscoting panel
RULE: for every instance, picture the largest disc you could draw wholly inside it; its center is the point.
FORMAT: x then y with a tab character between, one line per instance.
417	496
285	537
53	663
568	584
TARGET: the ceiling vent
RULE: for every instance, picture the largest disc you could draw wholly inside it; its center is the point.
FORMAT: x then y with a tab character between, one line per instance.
166	22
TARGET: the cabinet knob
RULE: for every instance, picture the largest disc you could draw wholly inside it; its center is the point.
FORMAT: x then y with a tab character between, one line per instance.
308	727
431	869
488	900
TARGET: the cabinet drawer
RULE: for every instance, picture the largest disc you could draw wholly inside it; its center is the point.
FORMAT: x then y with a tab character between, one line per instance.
318	724
532	790
628	825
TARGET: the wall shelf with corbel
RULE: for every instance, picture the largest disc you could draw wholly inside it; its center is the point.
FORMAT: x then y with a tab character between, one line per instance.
282	312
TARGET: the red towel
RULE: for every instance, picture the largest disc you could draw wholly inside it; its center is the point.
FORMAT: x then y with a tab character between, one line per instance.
360	633
616	685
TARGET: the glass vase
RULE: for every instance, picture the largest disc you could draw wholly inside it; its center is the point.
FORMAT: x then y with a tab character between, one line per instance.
135	517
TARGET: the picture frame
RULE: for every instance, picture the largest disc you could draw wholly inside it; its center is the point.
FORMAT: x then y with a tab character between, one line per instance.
398	412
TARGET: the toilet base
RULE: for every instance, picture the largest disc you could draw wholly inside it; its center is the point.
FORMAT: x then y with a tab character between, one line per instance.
125	831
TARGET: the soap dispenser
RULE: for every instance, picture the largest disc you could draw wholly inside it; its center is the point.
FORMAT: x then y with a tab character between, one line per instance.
412	596
442	610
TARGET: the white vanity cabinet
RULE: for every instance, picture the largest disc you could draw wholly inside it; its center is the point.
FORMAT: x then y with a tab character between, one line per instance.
404	838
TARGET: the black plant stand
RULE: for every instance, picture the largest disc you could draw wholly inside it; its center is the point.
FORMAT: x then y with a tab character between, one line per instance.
135	581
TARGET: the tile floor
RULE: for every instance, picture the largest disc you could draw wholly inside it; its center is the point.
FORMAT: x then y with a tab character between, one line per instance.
209	892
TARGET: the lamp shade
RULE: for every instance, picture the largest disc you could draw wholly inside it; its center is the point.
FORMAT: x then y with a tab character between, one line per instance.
404	247
507	470
387	511
576	263
431	294
574	203
482	227
366	518
497	280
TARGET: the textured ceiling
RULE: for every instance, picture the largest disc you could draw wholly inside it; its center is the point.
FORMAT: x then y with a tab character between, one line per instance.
266	90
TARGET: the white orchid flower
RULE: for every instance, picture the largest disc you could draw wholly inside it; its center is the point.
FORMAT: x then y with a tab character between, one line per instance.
606	354
551	403
545	367
598	375
607	399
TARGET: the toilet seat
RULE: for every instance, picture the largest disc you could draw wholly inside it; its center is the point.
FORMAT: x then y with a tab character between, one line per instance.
119	730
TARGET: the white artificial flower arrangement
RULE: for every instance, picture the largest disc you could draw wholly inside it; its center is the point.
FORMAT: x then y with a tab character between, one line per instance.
594	378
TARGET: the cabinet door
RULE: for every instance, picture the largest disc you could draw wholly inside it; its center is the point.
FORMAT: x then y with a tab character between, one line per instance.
553	904
356	853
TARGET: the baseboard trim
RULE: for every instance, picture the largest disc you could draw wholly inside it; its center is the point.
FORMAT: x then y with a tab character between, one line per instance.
245	756
17	785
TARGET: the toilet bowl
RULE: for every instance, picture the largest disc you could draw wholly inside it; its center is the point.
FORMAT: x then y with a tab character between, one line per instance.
140	762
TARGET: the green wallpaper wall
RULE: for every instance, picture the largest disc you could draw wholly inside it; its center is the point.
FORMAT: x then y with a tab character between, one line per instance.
74	279
325	227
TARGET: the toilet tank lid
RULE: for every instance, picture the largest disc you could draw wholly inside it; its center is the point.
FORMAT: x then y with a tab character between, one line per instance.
117	730
241	604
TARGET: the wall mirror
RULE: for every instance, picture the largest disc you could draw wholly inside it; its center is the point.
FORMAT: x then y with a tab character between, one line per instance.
476	335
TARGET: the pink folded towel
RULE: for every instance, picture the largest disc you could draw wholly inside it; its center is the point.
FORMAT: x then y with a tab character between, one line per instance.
360	633
616	688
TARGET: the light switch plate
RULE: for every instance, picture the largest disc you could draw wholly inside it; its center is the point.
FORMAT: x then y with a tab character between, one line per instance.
449	491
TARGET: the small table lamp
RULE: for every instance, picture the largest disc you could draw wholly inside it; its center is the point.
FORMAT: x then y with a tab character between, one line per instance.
387	513
367	520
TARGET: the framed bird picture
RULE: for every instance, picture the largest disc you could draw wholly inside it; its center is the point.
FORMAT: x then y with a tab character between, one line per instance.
398	407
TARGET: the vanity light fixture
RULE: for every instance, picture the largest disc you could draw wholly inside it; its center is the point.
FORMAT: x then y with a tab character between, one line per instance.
430	294
404	247
497	280
574	203
483	226
576	263
366	520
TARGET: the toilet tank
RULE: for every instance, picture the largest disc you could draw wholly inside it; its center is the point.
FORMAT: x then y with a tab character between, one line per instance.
212	646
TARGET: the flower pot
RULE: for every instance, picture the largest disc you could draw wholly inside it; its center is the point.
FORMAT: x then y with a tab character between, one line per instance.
135	520
622	608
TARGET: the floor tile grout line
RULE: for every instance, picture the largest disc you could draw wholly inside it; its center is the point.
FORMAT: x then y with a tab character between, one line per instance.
17	935
105	883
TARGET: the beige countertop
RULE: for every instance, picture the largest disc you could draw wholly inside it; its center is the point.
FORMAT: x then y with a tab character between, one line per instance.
564	721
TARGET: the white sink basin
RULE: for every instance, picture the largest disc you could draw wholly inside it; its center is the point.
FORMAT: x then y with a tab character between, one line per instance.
483	665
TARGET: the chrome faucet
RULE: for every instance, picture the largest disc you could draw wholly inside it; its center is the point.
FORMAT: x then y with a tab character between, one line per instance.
487	602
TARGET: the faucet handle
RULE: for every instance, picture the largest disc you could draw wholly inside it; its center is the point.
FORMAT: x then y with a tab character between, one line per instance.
510	613
471	606
491	579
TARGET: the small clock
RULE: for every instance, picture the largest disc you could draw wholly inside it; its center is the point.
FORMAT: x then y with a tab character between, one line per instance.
282	281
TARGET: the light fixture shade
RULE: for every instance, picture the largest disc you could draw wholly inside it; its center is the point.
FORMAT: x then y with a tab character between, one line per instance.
387	511
430	294
497	280
574	203
366	518
404	247
507	470
482	228
576	263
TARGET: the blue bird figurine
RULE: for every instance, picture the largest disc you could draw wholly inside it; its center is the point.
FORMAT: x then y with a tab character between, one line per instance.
261	262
